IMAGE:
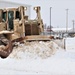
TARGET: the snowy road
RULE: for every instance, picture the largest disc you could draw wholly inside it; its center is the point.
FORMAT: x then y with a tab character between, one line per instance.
60	63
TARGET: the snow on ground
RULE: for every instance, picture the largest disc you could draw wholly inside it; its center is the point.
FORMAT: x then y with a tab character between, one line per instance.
35	49
37	58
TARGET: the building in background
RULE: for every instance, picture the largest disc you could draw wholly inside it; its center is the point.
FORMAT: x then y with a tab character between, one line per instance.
6	4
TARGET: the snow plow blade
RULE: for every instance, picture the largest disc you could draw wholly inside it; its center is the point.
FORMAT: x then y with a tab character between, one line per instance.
39	38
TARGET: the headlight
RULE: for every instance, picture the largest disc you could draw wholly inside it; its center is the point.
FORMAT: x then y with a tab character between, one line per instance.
35	8
25	8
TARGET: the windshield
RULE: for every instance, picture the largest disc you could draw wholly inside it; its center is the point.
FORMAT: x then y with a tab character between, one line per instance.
4	17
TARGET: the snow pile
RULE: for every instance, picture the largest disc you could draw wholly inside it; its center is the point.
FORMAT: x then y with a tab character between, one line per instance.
61	63
60	43
34	50
70	43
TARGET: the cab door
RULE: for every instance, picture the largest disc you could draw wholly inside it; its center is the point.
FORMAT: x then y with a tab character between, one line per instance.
10	19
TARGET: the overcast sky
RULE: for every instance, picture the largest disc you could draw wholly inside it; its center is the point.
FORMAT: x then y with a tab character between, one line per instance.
58	16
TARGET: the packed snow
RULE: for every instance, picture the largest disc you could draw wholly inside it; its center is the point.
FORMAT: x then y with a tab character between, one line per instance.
37	58
34	50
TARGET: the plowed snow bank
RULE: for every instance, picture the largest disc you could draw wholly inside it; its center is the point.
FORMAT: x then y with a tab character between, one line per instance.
34	49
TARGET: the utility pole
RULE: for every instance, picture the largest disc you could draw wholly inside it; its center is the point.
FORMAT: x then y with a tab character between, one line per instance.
67	20
50	20
73	25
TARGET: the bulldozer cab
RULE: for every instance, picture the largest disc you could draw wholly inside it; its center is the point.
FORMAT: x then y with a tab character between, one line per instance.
8	15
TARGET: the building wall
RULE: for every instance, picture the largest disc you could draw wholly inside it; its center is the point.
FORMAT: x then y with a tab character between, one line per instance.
4	4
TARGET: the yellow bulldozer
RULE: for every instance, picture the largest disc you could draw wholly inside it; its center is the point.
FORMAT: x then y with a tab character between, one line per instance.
15	26
14	19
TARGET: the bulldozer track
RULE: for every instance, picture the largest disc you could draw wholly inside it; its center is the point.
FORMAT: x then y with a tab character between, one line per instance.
6	47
